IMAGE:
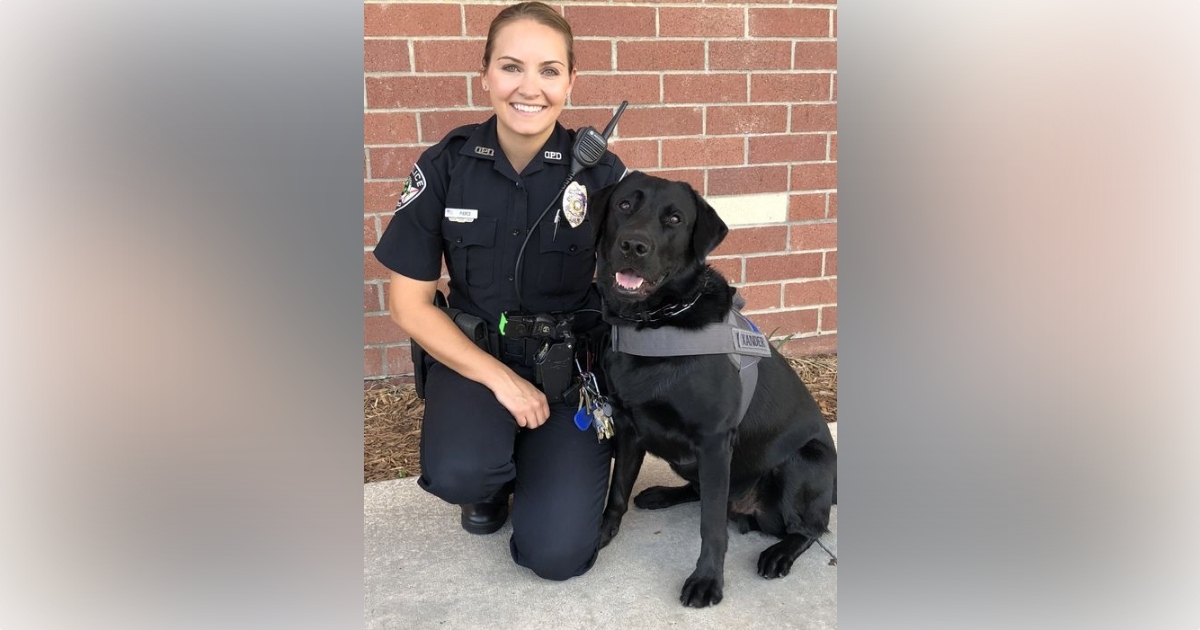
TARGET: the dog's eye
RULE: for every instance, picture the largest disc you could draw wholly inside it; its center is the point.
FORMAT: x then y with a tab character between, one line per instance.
674	219
624	205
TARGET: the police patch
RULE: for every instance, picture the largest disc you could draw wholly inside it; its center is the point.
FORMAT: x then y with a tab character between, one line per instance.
413	186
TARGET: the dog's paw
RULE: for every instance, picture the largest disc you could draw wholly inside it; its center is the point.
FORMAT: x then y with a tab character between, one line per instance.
658	497
775	562
702	590
608	529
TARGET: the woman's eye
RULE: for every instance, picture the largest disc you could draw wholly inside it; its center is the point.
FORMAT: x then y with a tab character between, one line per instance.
509	68
550	72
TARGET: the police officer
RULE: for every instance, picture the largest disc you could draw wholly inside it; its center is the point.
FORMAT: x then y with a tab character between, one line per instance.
479	198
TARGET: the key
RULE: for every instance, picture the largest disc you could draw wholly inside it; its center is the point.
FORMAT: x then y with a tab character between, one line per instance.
583	418
601	432
607	426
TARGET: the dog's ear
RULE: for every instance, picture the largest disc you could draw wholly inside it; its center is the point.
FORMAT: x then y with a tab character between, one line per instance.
709	230
597	207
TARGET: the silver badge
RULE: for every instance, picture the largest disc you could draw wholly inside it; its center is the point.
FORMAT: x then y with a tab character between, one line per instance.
575	204
485	151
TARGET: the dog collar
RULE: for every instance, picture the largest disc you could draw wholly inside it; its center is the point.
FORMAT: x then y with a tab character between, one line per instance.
664	312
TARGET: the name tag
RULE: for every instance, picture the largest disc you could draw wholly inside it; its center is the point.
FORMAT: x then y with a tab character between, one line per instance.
746	342
461	215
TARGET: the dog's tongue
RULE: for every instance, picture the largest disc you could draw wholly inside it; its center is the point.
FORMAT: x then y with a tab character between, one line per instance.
629	279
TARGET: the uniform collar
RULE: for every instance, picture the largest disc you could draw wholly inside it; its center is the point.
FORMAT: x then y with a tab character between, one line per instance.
484	144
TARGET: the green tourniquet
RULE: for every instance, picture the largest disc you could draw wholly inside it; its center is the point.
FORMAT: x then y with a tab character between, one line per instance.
503	322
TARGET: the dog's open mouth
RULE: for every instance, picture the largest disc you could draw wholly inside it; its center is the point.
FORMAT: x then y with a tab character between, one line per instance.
631	283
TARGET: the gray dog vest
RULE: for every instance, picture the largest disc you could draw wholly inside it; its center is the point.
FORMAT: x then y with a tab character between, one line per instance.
736	337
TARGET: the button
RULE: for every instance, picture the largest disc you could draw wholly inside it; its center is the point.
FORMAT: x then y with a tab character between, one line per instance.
516	232
572	248
510	278
458	240
518	184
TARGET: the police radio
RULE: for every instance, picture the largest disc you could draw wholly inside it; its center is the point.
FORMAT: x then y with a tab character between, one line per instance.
590	145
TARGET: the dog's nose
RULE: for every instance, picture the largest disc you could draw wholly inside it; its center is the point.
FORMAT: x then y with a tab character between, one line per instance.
635	247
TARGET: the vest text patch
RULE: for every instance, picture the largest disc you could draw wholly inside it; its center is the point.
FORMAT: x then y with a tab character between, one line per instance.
747	342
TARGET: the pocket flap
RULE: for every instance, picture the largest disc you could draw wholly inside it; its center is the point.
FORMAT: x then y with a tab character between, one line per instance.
481	232
570	240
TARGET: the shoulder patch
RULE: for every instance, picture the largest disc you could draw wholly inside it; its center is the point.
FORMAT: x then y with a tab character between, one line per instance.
413	186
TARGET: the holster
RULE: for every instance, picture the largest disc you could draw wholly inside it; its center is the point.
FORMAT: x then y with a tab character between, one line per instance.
473	327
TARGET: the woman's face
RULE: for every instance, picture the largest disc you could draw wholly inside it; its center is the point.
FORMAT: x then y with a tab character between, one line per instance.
527	79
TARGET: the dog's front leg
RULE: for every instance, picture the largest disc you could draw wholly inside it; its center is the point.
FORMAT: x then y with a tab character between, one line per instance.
704	586
628	461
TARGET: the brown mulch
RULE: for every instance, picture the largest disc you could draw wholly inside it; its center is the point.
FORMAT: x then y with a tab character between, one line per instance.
392	418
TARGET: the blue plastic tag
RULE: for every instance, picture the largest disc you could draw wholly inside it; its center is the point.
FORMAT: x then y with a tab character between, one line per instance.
583	419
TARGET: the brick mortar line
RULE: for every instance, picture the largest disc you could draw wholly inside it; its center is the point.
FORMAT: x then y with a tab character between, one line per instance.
778	253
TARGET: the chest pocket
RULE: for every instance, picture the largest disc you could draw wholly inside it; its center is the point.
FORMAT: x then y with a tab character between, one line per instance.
567	262
470	251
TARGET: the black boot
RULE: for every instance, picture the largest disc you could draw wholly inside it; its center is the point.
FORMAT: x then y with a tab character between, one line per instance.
488	516
484	518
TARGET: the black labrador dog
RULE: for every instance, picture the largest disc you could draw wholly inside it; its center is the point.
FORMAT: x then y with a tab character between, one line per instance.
774	469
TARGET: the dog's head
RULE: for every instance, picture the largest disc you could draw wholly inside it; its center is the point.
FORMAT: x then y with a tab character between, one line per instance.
653	234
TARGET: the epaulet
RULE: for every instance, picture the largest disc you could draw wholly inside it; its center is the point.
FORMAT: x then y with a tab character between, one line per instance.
453	140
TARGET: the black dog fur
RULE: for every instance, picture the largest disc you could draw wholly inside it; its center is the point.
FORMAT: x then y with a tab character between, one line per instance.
773	471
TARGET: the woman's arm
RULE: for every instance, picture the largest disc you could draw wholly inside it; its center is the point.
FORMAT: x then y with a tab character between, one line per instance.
411	306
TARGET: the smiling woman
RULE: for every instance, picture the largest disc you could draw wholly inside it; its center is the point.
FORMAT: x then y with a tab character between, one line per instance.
474	200
528	72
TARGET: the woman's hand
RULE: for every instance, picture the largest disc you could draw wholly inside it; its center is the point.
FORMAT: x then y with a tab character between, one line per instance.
411	305
522	399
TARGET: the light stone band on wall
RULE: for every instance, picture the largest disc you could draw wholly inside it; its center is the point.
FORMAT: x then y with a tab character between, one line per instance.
742	210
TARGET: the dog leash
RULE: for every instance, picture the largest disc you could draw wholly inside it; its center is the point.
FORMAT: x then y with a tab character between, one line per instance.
833	558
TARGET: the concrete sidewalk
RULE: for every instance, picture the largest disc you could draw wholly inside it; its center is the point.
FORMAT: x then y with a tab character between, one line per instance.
421	570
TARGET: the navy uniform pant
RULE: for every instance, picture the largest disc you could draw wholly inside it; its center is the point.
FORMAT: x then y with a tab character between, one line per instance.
471	447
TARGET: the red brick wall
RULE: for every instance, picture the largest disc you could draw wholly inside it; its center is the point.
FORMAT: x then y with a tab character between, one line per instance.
734	98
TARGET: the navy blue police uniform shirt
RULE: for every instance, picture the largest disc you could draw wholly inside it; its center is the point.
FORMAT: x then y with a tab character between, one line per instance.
464	200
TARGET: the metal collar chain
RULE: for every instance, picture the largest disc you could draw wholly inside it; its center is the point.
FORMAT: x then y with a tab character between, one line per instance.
668	311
